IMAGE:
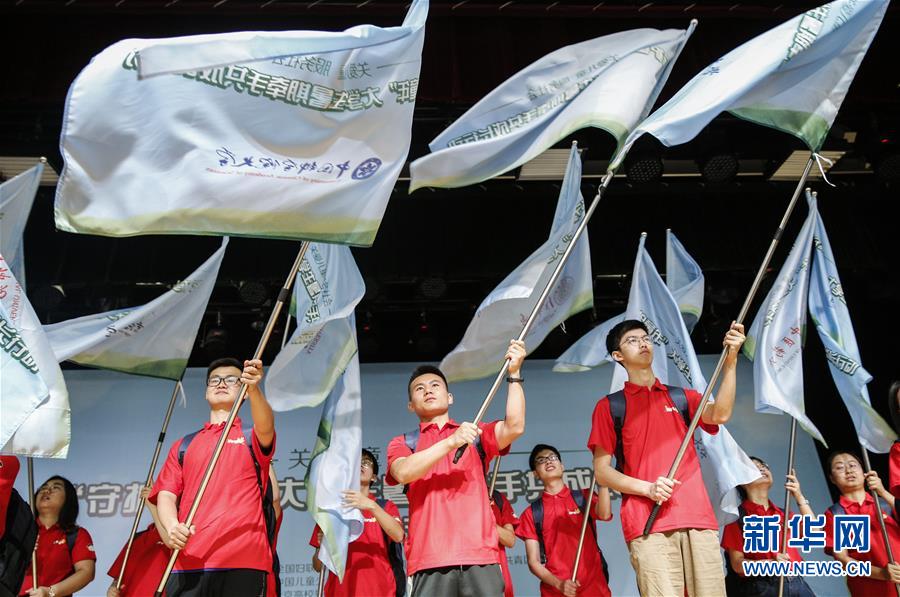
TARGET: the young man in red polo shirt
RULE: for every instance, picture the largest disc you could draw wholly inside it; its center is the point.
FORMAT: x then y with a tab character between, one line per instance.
368	570
561	520
146	561
452	546
846	473
682	553
226	551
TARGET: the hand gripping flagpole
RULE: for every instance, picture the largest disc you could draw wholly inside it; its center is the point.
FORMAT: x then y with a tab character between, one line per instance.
140	509
537	306
283	296
884	534
584	523
787	501
30	465
688	438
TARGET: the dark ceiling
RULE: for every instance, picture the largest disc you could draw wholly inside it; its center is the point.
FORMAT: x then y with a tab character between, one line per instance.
466	240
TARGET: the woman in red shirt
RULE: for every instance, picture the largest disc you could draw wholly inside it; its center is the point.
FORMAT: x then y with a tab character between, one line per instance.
65	551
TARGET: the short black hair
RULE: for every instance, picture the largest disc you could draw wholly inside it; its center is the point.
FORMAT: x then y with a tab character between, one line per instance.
829	460
69	512
368	454
425	370
893	407
224	362
614	337
537	450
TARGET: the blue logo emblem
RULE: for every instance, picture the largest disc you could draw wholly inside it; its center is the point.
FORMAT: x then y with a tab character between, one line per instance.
366	169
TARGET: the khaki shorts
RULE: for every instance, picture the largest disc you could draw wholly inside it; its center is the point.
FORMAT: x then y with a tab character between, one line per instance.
668	564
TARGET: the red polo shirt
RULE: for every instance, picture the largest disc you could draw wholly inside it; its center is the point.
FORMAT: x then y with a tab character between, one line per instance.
146	564
733	535
54	562
562	529
651	436
867	587
504	516
450	520
368	569
230	529
9	468
894	470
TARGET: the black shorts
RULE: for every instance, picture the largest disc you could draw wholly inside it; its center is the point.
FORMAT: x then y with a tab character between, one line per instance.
239	582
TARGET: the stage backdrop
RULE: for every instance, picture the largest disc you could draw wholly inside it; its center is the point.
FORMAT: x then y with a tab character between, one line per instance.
116	419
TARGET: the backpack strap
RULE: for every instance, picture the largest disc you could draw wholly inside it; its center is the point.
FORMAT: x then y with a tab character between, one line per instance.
537	513
499	499
185	443
71	537
617	412
837	509
679	398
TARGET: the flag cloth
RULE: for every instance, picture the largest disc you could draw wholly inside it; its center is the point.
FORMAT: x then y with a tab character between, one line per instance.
831	316
610	83
313	126
34	402
775	340
334	467
155	339
722	462
792	78
327	289
502	314
685	281
16	197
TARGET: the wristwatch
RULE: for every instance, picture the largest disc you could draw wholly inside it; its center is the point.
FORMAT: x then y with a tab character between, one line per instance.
51	592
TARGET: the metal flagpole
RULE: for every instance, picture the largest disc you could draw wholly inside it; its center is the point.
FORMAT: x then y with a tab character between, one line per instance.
884	534
140	509
787	501
494	474
584	524
537	306
283	296
30	465
689	437
323	571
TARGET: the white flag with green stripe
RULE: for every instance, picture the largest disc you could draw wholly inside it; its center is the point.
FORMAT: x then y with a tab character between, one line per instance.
16	197
155	339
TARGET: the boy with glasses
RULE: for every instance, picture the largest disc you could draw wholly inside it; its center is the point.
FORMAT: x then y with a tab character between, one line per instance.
551	528
682	553
226	550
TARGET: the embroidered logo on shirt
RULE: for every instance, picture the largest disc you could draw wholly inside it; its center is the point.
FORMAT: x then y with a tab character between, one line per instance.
574	512
369	519
59	542
671	409
91	547
239	440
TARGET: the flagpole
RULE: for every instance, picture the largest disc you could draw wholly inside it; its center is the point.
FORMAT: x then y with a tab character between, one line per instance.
760	274
149	481
284	295
584	523
494	474
582	226
884	534
321	589
787	501
29	462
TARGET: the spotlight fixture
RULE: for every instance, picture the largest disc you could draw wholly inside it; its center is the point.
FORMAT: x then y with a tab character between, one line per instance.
433	288
644	168
215	341
719	168
253	292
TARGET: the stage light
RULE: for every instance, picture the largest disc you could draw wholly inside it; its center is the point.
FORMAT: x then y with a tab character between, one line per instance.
433	288
253	292
887	167
644	168
215	341
719	168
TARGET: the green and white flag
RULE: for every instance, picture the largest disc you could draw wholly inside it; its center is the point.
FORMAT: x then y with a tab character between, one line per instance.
610	83
155	339
34	402
792	78
279	134
16	197
327	289
502	314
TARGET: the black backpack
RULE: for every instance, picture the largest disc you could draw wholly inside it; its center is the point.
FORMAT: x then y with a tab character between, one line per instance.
17	545
411	439
395	557
268	506
617	411
537	513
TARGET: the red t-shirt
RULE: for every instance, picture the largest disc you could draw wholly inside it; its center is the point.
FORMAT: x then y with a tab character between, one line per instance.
504	516
54	562
894	470
368	569
452	497
9	468
867	587
562	529
146	564
733	535
230	529
651	436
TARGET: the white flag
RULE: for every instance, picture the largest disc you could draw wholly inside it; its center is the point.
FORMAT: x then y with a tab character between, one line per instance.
722	462
328	288
16	197
334	468
294	134
775	340
609	83
831	316
34	402
503	313
792	78
155	339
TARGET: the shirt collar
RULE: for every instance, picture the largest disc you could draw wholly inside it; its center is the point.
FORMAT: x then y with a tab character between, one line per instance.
424	426
753	508
847	503
564	492
633	388
217	426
